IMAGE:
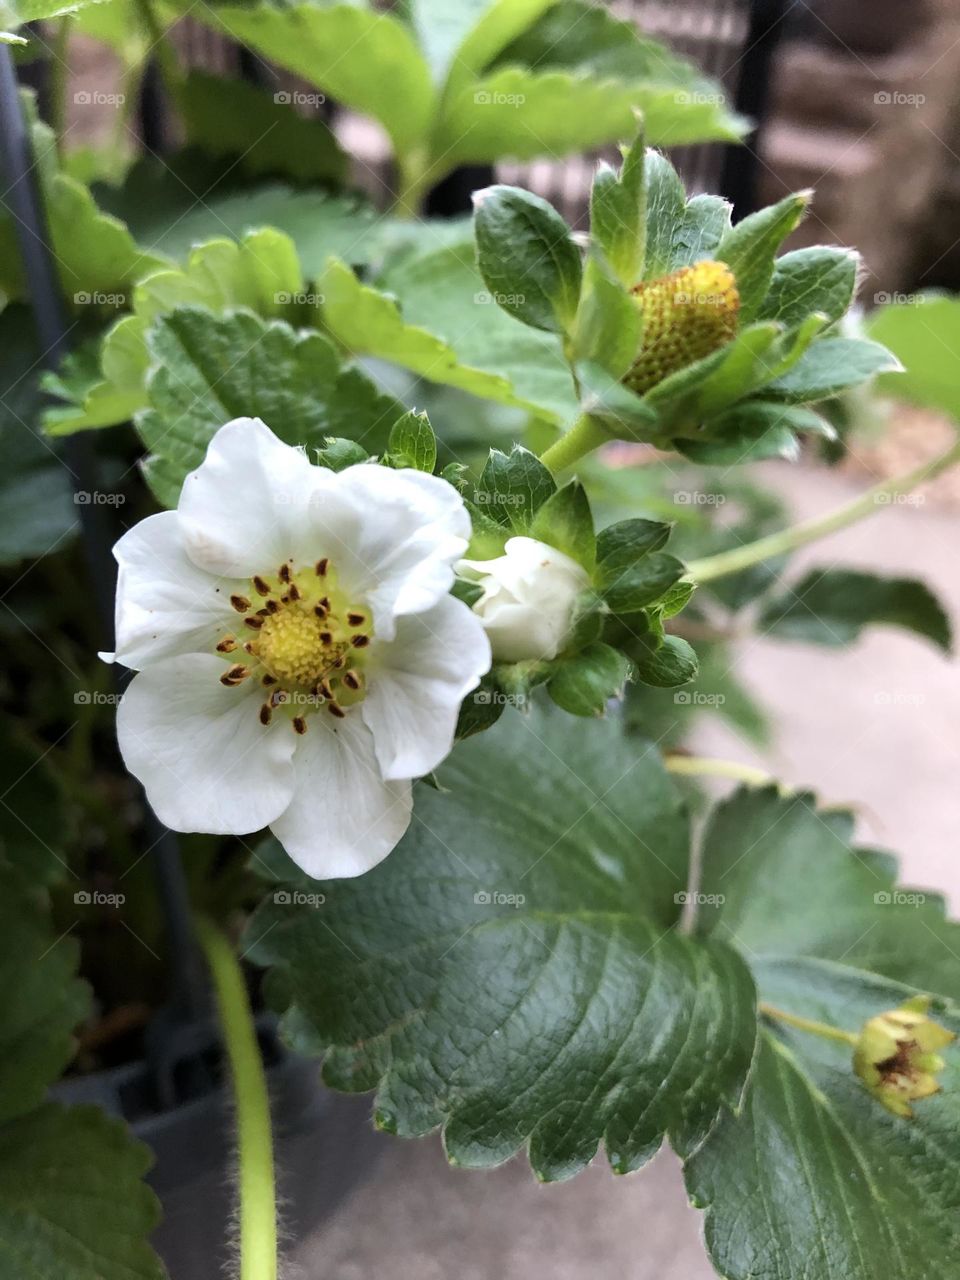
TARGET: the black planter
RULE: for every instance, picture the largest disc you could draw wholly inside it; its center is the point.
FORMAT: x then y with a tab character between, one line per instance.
324	1145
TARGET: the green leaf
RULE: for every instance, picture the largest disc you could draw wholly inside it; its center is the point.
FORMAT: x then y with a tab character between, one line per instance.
865	1193
925	337
71	1198
753	430
621	545
17	13
667	665
585	683
630	588
365	60
749	249
458	40
565	521
263	130
211	369
526	257
829	367
817	279
832	606
513	487
438	290
665	201
618	214
530	988
412	443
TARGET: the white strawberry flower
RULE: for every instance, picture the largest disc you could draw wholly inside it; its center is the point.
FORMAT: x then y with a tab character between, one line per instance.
529	598
300	659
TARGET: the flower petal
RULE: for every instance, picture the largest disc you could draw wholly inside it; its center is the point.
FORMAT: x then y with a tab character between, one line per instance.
396	543
242	511
344	818
165	604
417	682
205	760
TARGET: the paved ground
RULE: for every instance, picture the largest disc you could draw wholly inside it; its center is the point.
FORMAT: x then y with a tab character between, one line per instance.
875	726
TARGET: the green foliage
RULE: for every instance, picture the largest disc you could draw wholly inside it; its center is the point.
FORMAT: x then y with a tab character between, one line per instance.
925	337
412	443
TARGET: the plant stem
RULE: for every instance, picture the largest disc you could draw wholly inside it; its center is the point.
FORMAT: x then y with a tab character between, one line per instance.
583	437
822	1029
707	767
161	47
799	535
413	177
59	76
258	1200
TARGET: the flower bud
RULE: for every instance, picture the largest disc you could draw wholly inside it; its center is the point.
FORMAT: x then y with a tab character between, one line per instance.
686	315
896	1056
529	599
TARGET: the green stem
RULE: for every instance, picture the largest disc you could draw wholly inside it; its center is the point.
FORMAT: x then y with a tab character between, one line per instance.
164	51
707	767
414	175
59	76
777	544
258	1199
583	437
822	1029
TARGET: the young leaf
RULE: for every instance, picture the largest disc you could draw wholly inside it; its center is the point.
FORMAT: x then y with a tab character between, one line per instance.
925	338
526	257
513	487
832	607
492	1000
585	683
412	443
817	279
565	521
749	249
666	665
829	367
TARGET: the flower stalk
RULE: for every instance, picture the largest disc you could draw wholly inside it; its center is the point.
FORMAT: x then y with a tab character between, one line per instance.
583	437
257	1215
822	1029
799	535
710	767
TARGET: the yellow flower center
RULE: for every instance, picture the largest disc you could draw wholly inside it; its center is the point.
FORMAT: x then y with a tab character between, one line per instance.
307	646
686	315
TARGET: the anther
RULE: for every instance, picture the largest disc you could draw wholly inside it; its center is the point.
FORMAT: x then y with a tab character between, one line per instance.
321	611
235	674
266	711
294	592
268	680
278	697
356	619
261	586
255	623
326	637
240	603
325	689
358	642
283	573
335	709
325	603
352	680
227	645
321	567
300	724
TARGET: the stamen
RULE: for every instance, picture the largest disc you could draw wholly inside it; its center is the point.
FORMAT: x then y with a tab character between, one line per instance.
358	642
325	603
283	573
266	712
255	623
335	709
356	619
352	680
261	586
321	567
272	606
326	637
227	645
300	724
293	593
325	689
321	611
268	680
235	674
278	697
240	603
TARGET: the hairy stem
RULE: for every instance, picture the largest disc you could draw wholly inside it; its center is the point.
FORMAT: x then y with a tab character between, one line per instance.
583	437
822	1029
59	77
777	544
258	1199
708	767
162	49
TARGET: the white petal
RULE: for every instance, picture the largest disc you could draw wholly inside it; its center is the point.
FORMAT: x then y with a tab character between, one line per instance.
397	544
205	760
416	685
344	818
165	604
243	510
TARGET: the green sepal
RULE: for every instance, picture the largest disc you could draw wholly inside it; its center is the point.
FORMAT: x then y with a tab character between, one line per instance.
565	521
585	683
338	453
513	487
618	213
412	443
749	249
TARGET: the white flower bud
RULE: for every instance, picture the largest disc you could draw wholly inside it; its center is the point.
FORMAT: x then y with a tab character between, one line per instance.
529	597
